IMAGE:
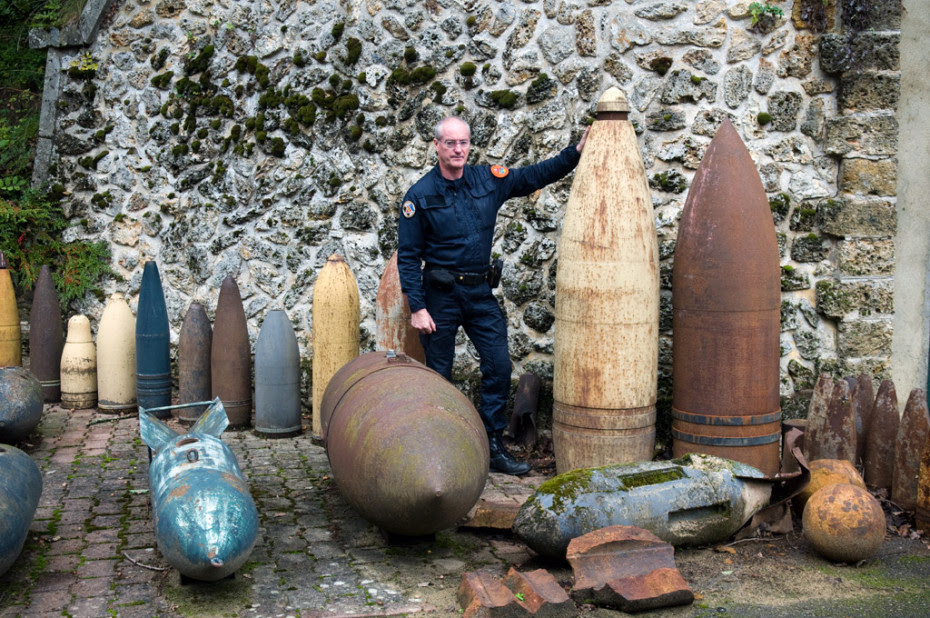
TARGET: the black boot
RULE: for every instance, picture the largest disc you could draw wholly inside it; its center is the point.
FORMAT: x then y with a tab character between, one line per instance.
502	460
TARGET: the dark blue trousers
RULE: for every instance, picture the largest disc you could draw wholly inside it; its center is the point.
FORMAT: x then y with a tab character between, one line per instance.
474	308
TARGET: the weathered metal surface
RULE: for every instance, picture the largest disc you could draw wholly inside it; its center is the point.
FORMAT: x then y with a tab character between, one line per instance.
525	404
878	461
483	594
335	328
817	417
693	500
863	396
726	298
11	346
922	508
79	366
789	462
205	520
116	357
194	345
277	378
606	303
913	433
838	435
626	568
408	451
20	489
231	356
46	337
153	362
844	523
392	316
20	403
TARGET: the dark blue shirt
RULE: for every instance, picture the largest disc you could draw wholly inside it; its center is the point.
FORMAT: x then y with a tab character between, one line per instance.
450	223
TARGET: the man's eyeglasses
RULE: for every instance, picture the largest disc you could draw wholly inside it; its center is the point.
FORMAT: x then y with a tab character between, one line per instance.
451	143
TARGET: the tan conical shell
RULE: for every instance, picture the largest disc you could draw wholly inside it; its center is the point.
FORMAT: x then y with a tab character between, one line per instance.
116	356
335	327
79	366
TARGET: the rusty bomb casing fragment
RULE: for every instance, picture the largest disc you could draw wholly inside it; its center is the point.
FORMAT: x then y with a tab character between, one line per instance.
408	450
205	520
694	500
392	316
726	299
606	341
20	489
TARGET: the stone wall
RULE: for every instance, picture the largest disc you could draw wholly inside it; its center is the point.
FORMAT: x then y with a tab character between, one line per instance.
257	138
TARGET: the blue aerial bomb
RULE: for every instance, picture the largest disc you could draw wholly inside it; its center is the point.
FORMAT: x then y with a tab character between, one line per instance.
20	488
205	520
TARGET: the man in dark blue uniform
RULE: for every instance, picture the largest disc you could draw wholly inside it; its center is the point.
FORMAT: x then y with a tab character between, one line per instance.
447	222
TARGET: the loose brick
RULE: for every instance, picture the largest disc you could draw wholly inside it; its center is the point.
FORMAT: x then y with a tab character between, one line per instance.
541	593
482	595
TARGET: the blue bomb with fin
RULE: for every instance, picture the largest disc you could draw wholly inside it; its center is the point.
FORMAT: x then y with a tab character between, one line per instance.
205	519
20	488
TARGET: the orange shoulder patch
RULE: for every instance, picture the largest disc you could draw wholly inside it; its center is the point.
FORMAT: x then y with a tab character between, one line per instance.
499	171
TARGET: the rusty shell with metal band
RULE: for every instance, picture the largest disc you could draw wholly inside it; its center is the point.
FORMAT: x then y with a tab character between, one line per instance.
606	340
46	336
20	489
726	300
231	356
392	316
206	523
408	451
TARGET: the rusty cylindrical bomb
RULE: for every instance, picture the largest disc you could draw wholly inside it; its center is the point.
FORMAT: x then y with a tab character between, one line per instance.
231	356
116	357
46	337
408	450
335	317
11	347
844	523
607	303
726	299
194	344
153	361
392	316
20	403
20	488
79	366
277	378
878	461
913	434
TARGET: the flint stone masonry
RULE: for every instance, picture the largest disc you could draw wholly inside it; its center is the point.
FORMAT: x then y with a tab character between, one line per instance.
257	138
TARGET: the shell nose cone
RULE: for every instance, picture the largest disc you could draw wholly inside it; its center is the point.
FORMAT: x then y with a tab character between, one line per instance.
613	100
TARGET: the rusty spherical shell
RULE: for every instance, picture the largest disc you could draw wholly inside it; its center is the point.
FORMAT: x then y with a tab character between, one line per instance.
46	336
392	316
20	403
913	433
606	304
20	489
844	523
408	451
231	356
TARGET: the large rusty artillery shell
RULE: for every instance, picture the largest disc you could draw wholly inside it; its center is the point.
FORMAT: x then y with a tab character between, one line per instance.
880	437
46	337
116	357
153	360
726	299
408	451
20	489
79	366
863	403
11	347
231	356
277	378
817	417
194	344
392	316
335	327
606	303
913	433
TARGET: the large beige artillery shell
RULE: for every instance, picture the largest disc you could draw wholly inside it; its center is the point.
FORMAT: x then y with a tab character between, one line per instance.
116	357
335	327
392	316
11	347
607	303
79	366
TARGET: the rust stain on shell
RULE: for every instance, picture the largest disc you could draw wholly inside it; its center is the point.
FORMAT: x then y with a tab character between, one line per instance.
392	316
882	432
913	434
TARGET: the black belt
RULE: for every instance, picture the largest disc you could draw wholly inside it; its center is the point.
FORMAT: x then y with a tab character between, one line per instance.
469	278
